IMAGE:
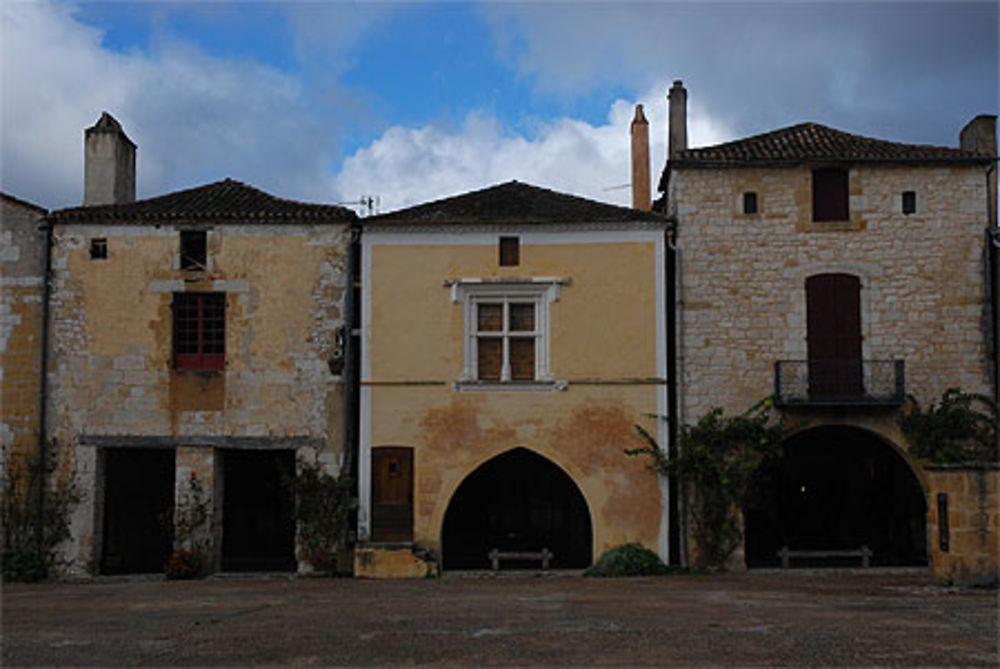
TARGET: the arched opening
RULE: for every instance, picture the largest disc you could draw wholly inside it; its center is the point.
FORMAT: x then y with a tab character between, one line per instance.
517	502
837	488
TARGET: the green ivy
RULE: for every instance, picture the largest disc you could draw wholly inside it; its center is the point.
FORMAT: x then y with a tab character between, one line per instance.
961	428
715	462
22	560
323	505
628	560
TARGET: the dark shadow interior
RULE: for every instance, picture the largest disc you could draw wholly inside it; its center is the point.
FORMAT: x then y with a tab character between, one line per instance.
258	525
837	488
518	501
138	510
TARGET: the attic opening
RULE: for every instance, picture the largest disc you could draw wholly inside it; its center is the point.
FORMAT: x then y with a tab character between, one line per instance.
517	502
258	524
194	250
837	488
138	510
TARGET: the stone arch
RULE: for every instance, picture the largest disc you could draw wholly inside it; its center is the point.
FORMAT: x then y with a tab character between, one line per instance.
518	500
839	487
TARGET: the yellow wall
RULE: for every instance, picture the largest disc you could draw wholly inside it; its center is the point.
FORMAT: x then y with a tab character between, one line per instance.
602	343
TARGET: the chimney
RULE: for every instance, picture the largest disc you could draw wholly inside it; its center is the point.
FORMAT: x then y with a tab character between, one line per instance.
640	161
108	163
980	135
677	99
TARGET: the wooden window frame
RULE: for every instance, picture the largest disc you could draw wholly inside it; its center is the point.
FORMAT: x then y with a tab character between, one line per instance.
505	334
99	248
509	251
194	250
471	294
196	316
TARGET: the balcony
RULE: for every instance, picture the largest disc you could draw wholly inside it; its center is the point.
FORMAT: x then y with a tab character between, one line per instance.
839	382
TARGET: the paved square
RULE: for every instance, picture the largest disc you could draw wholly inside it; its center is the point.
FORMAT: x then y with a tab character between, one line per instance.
799	618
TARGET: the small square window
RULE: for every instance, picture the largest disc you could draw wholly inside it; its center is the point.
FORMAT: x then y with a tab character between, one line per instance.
909	202
99	248
510	252
750	202
194	249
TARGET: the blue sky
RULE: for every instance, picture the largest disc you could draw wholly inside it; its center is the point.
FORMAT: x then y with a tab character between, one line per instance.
327	101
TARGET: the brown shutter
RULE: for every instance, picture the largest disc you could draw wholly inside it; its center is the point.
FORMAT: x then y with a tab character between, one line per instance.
833	306
830	195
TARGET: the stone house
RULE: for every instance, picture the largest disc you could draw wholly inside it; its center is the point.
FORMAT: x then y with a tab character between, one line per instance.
195	355
511	339
20	325
841	274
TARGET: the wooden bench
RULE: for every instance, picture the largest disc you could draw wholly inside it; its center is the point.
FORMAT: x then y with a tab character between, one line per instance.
496	555
864	553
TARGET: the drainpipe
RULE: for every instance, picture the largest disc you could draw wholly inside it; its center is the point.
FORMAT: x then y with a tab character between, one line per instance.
350	371
677	511
43	384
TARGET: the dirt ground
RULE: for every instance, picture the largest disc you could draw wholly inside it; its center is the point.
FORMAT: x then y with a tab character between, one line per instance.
798	618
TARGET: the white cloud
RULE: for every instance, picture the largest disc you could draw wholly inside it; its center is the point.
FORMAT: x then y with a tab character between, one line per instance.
407	166
195	118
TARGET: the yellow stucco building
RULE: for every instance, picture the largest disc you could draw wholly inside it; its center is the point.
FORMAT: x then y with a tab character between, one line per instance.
511	340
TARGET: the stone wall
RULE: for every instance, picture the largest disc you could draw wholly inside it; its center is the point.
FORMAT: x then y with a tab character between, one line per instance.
113	381
742	277
20	325
967	554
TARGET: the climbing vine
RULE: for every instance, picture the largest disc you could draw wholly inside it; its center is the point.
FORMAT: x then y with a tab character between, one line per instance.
960	428
715	463
323	505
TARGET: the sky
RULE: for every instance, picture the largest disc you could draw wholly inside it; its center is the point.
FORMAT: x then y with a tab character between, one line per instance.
335	101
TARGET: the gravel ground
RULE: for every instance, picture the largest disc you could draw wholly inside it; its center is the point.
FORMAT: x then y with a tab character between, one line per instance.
798	618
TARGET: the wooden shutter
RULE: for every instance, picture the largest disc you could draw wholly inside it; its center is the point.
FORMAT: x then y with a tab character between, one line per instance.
830	195
833	305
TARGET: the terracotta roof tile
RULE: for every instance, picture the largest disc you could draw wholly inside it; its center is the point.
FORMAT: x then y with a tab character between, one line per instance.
514	203
222	201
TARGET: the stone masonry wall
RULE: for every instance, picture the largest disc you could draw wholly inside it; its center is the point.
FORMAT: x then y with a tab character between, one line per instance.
973	541
20	326
111	372
742	277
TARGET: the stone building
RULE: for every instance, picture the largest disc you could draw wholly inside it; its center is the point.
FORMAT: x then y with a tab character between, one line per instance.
20	325
194	356
512	337
842	274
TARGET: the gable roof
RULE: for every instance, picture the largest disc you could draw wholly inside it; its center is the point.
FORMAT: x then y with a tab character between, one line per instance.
514	203
222	201
22	203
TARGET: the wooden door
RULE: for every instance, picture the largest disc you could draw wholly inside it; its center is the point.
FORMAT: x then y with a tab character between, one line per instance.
834	335
392	493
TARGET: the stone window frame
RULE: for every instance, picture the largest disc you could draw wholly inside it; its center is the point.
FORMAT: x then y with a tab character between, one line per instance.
908	202
831	194
470	293
99	248
750	201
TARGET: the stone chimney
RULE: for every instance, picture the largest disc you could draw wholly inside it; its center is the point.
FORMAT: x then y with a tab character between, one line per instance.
640	161
108	163
677	139
980	135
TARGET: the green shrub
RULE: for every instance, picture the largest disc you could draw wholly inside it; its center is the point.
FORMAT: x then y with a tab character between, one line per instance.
628	560
961	428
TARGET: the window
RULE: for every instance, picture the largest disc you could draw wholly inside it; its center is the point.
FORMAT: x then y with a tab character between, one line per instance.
830	195
909	202
750	202
194	249
98	248
510	252
199	331
506	330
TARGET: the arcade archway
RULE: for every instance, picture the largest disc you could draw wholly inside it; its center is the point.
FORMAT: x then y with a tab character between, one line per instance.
518	501
838	488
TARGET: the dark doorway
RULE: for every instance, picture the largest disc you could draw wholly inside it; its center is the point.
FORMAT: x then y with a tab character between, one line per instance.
392	494
838	488
138	510
833	315
258	525
518	501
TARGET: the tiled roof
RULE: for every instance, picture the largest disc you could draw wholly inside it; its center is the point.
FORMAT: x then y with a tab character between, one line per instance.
812	142
222	201
24	203
514	203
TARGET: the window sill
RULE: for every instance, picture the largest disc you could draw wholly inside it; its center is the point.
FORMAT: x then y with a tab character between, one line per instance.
516	386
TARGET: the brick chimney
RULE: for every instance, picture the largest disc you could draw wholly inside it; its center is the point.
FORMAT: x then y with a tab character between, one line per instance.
108	163
980	135
677	139
640	161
